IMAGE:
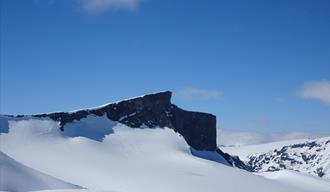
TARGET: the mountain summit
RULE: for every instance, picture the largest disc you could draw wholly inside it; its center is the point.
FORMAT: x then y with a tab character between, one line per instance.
149	111
152	110
144	143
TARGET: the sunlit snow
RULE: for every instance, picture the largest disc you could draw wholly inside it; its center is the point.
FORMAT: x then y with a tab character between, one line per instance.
125	159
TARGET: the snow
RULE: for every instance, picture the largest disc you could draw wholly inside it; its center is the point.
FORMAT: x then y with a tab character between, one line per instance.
93	127
126	159
19	178
65	190
304	155
127	116
209	155
242	138
70	190
299	180
244	151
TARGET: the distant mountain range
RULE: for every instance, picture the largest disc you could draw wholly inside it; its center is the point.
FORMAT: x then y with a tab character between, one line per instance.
310	156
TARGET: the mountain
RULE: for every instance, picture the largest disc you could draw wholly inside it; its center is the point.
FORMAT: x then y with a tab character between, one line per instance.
153	110
310	156
127	159
148	111
140	144
16	177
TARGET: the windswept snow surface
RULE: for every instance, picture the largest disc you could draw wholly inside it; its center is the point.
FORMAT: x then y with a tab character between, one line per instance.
15	177
245	151
126	159
299	180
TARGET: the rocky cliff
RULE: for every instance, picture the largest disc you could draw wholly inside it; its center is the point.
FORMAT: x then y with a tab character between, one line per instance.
149	111
153	110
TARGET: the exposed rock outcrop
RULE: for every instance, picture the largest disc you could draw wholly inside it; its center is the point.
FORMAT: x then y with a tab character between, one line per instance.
153	110
310	156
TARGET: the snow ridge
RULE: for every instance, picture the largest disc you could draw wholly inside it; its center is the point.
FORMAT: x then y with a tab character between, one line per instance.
311	156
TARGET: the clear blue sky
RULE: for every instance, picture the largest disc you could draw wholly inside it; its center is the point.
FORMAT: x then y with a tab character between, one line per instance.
245	61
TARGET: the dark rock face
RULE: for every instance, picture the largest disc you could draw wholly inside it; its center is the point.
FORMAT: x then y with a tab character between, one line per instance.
234	161
198	129
154	110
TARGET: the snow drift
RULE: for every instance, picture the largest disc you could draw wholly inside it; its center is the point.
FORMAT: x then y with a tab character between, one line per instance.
126	160
16	177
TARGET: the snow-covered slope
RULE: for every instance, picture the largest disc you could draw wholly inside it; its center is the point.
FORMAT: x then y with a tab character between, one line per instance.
303	181
16	177
305	155
126	159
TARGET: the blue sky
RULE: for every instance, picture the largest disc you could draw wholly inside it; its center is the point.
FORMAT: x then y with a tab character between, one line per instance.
258	65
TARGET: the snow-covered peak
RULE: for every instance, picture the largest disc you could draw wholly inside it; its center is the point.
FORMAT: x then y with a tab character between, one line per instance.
304	155
151	110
